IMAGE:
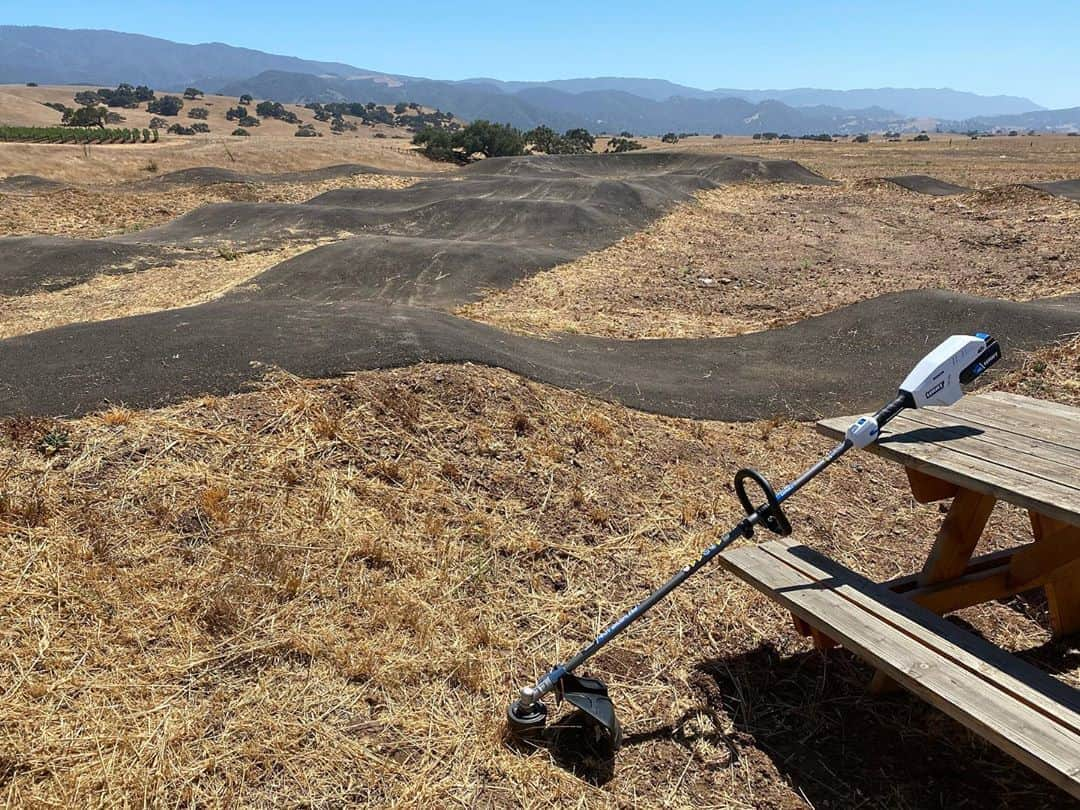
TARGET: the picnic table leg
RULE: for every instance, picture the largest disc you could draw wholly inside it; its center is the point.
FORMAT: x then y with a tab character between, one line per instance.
958	536
955	542
1056	538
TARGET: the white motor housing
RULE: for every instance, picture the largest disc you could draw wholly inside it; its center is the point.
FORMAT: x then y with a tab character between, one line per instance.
938	378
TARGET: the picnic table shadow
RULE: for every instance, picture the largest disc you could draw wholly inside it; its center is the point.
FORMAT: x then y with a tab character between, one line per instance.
839	746
810	713
833	743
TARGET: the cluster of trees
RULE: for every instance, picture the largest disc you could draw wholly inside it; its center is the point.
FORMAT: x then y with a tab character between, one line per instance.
275	109
166	105
77	135
572	142
200	113
85	117
478	138
180	129
242	116
623	144
339	125
307	131
502	140
408	115
125	95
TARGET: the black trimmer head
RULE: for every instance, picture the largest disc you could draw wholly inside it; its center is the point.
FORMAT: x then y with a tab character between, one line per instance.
526	723
588	695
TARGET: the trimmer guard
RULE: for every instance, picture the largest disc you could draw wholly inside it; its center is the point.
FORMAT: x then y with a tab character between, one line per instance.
591	697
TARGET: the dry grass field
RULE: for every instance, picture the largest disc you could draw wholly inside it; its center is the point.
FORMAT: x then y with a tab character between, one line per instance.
271	146
323	593
749	257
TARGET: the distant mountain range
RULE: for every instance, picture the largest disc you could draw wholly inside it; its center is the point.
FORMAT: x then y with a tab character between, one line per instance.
1067	120
912	103
597	110
612	104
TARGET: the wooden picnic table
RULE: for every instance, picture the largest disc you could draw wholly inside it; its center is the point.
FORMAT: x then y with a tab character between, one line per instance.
986	448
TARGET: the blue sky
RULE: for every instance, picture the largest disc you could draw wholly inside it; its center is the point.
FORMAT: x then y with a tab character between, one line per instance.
1020	48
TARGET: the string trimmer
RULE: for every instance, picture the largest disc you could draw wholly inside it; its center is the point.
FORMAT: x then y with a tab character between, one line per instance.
936	381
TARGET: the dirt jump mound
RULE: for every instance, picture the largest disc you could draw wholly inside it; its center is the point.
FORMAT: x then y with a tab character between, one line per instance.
378	297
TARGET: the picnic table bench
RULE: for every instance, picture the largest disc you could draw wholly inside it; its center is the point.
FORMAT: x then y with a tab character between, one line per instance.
988	447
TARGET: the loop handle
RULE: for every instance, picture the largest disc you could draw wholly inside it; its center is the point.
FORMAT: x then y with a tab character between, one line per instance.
772	516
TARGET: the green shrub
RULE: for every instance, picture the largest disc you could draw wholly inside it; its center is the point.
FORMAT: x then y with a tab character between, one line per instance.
241	132
200	113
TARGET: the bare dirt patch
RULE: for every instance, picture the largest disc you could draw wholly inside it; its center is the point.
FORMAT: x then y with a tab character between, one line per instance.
324	592
751	257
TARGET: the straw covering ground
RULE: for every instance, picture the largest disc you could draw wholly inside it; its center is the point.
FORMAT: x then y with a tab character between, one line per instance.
324	593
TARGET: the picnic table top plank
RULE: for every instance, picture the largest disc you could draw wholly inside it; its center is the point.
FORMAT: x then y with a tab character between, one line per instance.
995	437
1020	450
1048	421
1049	462
1022	710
